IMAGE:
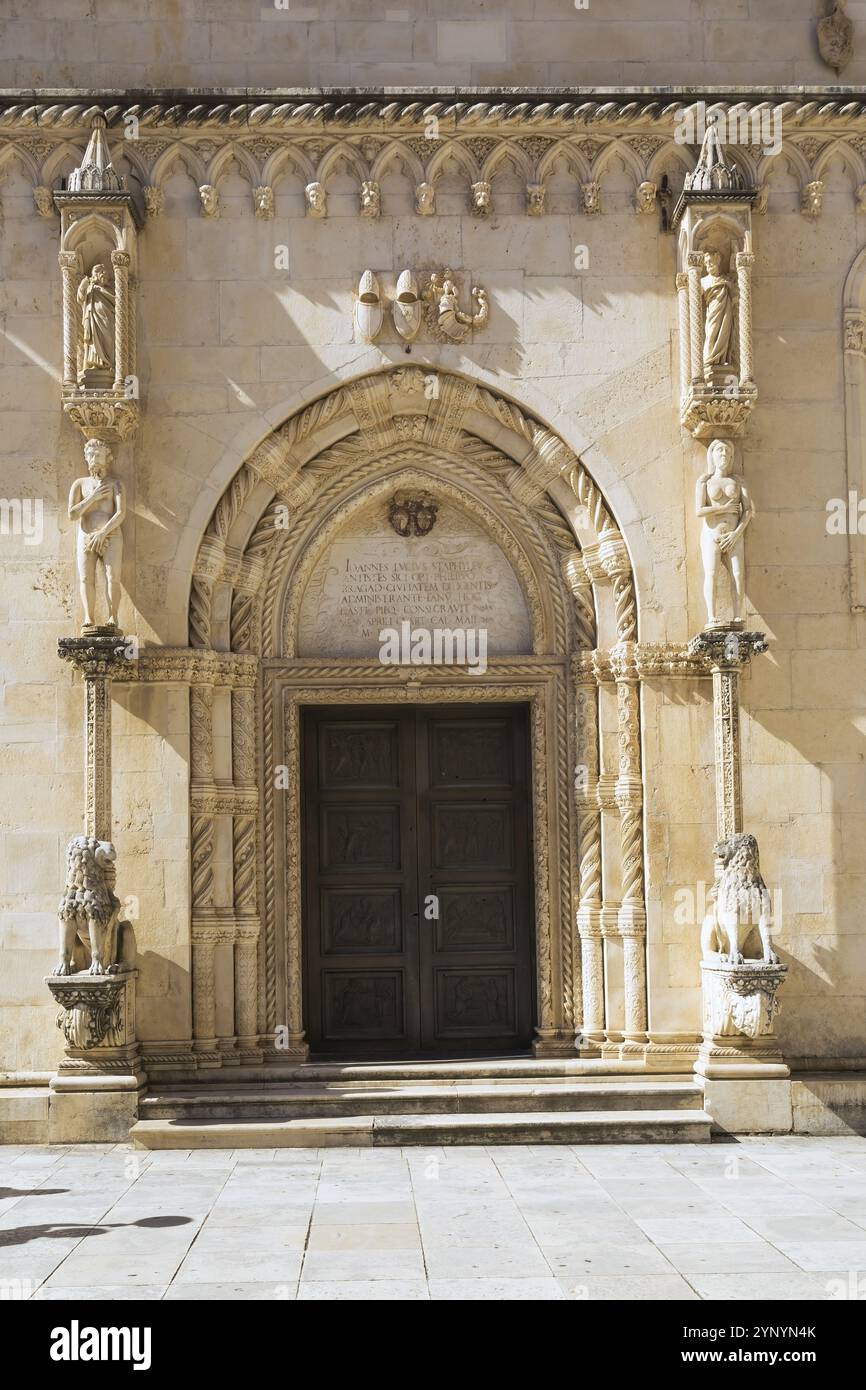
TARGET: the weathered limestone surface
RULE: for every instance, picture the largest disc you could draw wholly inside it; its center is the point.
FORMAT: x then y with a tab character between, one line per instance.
461	42
234	338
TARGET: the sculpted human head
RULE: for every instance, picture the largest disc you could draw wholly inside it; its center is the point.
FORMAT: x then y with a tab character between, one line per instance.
98	457
720	456
712	262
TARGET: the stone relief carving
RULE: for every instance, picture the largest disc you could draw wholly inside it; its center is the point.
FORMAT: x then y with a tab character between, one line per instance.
812	199
407	307
263	201
98	504
89	909
91	1012
740	1002
425	200
369	311
835	34
740	904
412	514
447	320
591	195
646	196
723	503
371	202
535	194
96	343
44	200
482	198
210	200
317	199
154	200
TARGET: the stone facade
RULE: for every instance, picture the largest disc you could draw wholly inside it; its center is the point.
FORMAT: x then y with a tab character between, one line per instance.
538	313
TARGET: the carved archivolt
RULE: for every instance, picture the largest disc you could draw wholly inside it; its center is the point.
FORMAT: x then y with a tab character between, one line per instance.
524	486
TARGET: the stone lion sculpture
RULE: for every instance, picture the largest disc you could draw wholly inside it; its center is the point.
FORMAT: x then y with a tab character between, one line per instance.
89	910
740	902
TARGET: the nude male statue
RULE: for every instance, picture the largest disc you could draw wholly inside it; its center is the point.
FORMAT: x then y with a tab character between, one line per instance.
98	504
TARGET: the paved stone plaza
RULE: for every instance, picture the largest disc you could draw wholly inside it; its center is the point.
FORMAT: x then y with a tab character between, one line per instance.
780	1218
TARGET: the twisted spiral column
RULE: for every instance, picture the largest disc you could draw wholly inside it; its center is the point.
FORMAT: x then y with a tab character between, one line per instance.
745	261
70	271
683	321
121	261
696	345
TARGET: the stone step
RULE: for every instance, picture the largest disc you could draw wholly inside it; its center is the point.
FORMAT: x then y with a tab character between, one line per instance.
24	1114
543	1127
482	1096
492	1069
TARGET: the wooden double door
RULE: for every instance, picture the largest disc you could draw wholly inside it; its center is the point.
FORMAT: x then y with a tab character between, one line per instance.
418	930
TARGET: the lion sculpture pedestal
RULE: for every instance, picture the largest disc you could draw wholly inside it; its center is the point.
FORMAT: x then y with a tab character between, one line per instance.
739	1058
94	1094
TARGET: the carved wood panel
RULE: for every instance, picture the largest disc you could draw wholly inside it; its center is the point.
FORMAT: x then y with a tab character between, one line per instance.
403	809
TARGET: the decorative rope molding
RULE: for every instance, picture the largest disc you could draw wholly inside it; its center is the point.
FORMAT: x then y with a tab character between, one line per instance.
323	108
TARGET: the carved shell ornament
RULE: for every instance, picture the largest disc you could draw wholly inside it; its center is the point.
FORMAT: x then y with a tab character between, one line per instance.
407	306
369	311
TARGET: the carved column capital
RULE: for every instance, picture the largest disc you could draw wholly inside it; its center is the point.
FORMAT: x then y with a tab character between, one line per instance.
727	648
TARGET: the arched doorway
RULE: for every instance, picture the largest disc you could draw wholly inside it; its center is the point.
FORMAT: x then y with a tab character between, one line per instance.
325	480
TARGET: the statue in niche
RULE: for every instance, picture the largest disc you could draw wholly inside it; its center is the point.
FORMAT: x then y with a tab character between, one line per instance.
96	300
718	299
98	504
723	503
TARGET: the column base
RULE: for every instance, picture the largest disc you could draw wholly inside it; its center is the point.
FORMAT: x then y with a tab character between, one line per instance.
757	1105
93	1109
553	1042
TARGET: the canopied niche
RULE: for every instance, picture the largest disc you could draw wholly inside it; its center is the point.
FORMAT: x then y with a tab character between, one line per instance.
563	616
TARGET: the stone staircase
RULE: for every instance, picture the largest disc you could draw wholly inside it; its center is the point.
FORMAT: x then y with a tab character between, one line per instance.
506	1101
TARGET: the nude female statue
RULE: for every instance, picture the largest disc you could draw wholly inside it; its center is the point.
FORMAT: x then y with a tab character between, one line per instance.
723	502
718	314
97	322
98	504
